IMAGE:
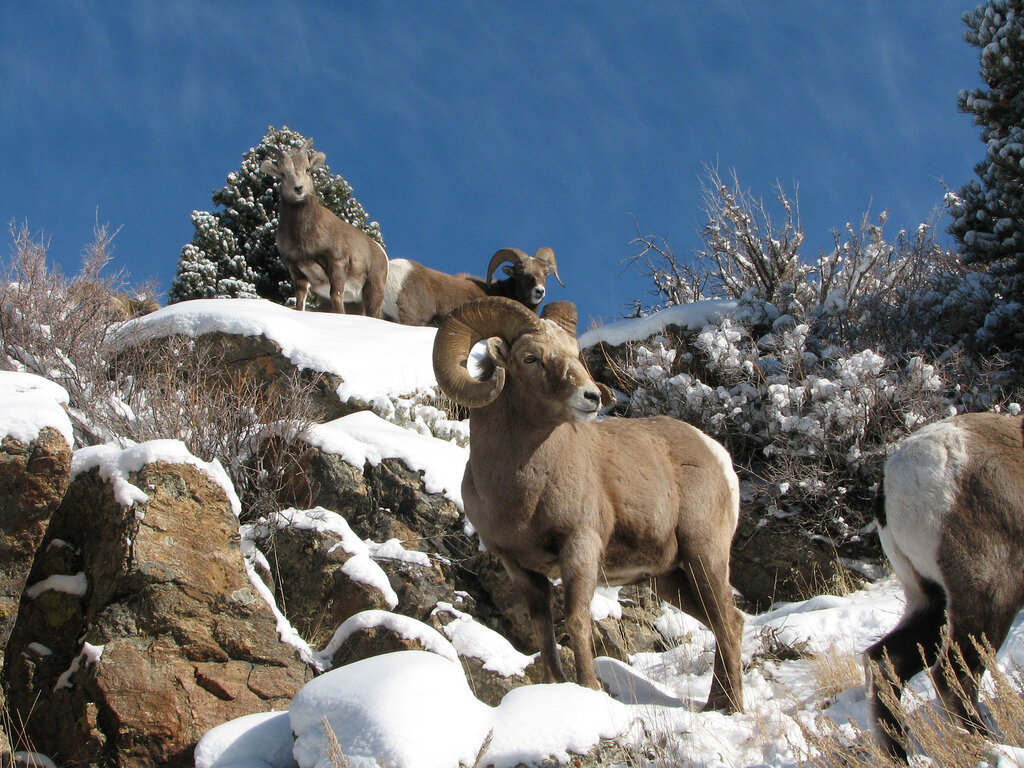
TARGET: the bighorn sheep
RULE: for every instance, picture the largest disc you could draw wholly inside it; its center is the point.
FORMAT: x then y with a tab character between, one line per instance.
951	521
337	260
419	295
552	494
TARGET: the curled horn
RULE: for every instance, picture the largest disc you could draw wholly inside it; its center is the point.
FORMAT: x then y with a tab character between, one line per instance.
563	313
547	255
464	327
513	255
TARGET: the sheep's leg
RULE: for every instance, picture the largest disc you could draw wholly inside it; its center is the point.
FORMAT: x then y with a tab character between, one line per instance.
373	295
301	284
337	277
892	661
705	594
579	561
536	589
990	620
301	289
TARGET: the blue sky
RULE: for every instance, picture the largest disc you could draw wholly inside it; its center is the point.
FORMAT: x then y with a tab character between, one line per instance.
465	127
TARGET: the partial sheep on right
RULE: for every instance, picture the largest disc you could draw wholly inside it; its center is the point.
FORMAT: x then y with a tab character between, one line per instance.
418	295
952	524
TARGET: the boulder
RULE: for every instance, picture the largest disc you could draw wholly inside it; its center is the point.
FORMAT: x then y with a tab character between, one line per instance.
33	479
780	561
153	633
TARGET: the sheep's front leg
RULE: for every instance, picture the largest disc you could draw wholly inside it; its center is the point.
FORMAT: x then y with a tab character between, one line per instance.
579	559
337	276
301	283
536	589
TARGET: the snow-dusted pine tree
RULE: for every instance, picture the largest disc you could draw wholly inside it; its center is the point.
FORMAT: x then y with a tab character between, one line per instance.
988	213
232	253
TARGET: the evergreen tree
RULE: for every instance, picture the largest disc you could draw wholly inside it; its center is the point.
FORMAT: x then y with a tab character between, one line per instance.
988	212
232	253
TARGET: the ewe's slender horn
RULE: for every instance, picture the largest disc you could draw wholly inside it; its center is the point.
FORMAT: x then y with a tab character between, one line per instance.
513	255
563	313
547	255
464	327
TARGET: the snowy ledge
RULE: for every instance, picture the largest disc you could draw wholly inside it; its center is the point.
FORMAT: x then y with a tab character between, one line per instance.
364	437
372	357
115	464
691	316
28	404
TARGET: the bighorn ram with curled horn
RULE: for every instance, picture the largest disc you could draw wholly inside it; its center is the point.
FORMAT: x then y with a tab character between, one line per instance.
419	295
553	494
337	260
951	522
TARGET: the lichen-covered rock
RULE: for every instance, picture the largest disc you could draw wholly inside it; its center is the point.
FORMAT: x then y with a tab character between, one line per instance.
33	479
162	639
779	561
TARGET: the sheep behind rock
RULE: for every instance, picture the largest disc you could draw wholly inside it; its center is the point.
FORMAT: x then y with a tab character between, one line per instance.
951	523
419	295
337	260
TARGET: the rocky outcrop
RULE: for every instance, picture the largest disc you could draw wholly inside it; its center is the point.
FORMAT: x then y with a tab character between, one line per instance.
33	479
140	630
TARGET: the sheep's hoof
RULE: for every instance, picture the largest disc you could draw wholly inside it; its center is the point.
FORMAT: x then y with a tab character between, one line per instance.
721	703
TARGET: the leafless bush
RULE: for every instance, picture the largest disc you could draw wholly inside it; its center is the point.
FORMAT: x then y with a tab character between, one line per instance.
178	388
55	326
184	388
933	732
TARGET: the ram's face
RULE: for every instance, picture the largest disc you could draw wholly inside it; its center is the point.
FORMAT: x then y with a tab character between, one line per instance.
530	279
545	377
295	170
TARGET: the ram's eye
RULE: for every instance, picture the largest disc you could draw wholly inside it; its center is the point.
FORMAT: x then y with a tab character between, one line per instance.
530	359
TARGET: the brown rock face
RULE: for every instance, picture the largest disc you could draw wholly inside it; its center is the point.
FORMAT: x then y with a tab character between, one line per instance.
185	641
33	479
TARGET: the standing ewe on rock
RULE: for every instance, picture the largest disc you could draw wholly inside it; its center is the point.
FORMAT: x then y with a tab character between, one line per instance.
554	495
337	260
419	295
952	525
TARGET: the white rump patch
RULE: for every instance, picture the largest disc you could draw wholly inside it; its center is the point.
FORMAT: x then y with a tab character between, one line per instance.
921	483
398	272
725	462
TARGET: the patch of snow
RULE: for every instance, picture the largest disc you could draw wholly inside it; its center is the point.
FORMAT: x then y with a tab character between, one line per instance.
409	709
473	639
372	357
115	464
76	584
29	403
692	316
404	626
90	654
364	437
261	740
605	604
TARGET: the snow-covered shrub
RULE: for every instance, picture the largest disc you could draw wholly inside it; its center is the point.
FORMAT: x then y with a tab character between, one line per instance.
426	412
871	340
812	425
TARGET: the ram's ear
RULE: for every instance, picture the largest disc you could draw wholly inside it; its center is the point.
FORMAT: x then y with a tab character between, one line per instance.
607	395
317	160
270	168
498	351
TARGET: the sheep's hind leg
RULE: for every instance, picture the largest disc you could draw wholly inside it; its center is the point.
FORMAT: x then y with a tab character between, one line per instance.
536	590
692	591
991	619
579	562
913	645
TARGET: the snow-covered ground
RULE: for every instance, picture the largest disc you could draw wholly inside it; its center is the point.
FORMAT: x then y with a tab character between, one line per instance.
415	709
